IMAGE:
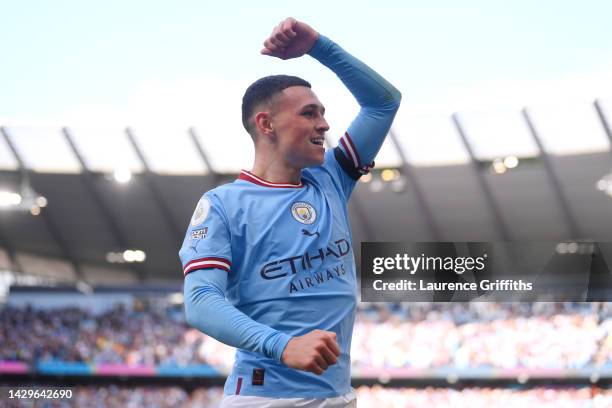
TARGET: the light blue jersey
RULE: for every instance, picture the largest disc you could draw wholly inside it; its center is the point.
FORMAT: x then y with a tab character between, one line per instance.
291	267
265	262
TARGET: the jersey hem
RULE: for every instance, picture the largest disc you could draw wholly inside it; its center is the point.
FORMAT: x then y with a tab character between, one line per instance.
331	394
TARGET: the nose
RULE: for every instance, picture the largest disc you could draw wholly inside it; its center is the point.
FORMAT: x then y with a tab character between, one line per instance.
322	125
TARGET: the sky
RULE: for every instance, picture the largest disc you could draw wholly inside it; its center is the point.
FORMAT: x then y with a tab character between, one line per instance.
161	67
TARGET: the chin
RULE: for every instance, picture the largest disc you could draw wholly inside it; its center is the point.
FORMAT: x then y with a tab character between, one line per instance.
312	159
319	160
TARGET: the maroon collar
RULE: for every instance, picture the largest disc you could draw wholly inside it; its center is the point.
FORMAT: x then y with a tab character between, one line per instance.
248	176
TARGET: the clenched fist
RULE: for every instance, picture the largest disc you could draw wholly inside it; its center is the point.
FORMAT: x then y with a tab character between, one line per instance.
290	39
314	352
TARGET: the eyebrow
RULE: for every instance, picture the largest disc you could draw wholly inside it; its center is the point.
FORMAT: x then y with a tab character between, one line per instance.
315	106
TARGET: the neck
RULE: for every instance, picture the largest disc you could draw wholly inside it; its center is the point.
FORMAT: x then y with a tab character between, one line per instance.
276	171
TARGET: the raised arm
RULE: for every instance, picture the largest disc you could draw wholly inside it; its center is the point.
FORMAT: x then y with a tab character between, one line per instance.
379	100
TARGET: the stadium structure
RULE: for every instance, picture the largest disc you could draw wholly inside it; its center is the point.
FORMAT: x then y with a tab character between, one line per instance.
90	280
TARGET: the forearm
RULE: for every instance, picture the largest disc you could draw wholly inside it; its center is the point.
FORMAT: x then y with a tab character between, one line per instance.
379	100
207	310
369	88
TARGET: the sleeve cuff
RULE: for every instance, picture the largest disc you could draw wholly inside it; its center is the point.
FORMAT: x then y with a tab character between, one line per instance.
348	166
320	49
275	345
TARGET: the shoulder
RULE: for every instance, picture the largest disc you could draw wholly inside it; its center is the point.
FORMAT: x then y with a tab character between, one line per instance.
218	200
226	193
231	199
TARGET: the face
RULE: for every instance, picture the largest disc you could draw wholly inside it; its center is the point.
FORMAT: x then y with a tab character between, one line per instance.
297	117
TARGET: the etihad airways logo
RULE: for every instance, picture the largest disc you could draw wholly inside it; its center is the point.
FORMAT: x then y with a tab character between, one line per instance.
284	267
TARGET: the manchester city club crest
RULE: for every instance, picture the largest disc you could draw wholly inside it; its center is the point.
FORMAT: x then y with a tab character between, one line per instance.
303	212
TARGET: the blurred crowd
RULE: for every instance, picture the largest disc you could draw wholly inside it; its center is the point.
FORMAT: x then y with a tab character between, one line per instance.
427	335
379	397
495	335
541	397
119	336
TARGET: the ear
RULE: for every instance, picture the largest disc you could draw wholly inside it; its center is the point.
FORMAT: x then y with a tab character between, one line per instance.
263	123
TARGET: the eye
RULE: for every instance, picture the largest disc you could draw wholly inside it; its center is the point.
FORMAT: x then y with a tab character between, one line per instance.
308	114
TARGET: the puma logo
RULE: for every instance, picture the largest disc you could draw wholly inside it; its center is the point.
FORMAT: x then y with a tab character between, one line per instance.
311	234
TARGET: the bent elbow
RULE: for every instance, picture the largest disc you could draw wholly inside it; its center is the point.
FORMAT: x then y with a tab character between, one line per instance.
397	97
190	312
193	307
199	300
392	99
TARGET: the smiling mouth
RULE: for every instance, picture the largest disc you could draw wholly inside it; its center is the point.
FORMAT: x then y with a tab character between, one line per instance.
317	141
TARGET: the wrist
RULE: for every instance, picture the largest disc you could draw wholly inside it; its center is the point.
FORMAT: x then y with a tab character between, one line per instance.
320	46
284	351
282	346
315	39
275	345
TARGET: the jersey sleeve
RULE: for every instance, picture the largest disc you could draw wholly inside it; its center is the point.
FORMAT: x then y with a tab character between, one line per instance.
207	243
378	101
207	310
